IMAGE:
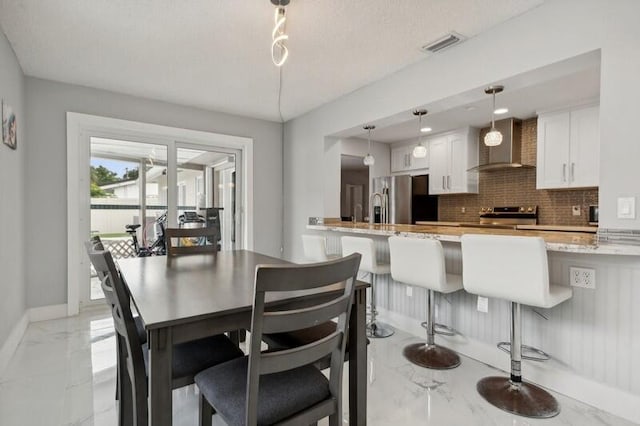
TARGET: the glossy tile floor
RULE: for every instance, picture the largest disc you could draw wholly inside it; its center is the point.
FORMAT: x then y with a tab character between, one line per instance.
63	373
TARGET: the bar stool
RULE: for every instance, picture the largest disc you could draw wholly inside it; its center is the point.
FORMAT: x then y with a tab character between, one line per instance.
513	269
369	264
315	248
420	262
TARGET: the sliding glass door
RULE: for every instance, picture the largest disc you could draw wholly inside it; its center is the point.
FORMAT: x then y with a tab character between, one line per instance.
138	187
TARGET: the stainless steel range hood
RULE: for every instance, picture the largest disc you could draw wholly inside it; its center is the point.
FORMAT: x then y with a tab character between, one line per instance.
508	154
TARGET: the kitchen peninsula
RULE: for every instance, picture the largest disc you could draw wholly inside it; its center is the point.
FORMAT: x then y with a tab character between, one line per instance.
590	337
557	241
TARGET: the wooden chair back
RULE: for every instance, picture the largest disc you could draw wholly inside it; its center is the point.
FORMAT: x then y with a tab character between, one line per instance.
287	278
130	346
199	240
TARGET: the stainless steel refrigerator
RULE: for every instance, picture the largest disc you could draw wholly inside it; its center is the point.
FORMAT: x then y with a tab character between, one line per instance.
408	199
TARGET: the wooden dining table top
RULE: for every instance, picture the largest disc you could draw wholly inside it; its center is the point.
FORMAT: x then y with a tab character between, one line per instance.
169	291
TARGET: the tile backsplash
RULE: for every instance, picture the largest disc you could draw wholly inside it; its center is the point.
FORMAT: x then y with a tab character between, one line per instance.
512	187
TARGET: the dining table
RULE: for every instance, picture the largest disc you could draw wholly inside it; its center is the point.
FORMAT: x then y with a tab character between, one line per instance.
189	297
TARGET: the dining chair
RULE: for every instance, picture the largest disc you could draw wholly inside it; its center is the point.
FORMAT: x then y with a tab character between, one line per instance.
96	244
187	358
191	240
283	387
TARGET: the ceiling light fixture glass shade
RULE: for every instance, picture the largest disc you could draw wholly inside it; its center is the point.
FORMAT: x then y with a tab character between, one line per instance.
279	50
493	137
420	150
369	160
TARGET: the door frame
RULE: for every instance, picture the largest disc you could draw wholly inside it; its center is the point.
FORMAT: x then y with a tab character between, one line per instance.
81	127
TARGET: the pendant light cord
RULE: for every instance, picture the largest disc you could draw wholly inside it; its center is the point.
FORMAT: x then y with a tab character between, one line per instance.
282	144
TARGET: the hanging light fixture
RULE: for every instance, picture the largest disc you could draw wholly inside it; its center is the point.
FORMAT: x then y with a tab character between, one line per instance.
279	51
369	160
420	150
494	137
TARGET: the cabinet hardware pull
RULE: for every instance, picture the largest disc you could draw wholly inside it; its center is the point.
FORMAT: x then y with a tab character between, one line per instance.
449	182
573	168
564	172
443	185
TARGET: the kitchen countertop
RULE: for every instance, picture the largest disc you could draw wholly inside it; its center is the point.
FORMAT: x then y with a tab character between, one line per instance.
571	242
562	228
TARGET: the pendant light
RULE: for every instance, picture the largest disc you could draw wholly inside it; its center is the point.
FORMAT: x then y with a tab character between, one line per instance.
369	160
420	150
494	137
279	50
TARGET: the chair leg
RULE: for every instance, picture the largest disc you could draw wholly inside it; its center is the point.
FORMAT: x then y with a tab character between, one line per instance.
429	354
376	328
206	411
512	394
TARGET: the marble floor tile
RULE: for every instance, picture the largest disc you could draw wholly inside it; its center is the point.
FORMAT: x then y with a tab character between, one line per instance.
63	373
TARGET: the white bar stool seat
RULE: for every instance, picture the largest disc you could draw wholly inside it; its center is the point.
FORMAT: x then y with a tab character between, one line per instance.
314	248
420	262
514	269
369	263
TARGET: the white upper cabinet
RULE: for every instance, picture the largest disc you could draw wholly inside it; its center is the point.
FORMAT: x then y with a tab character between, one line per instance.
568	149
451	155
402	160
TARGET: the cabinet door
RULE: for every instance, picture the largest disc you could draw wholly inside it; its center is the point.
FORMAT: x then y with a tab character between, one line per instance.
419	163
553	150
439	165
584	148
456	180
398	159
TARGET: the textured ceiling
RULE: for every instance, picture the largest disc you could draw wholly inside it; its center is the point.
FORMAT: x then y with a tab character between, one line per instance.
214	54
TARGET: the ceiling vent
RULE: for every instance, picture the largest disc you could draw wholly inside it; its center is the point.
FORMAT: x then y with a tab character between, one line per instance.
442	43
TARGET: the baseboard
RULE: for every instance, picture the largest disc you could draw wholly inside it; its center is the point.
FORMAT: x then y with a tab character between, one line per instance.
13	340
44	313
550	374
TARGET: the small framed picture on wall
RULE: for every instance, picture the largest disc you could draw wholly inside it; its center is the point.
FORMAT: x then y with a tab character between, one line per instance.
9	126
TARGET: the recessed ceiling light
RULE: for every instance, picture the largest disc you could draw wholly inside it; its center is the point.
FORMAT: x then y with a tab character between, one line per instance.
425	129
501	111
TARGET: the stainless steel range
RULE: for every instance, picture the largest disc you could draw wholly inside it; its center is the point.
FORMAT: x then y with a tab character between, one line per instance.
508	217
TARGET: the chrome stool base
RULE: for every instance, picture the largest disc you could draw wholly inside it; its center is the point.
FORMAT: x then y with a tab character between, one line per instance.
442	329
379	330
431	356
523	399
536	354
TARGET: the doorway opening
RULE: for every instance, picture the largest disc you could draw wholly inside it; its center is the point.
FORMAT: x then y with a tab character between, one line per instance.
354	188
129	173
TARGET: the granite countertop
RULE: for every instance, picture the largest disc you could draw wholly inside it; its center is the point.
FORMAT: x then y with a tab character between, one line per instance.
572	242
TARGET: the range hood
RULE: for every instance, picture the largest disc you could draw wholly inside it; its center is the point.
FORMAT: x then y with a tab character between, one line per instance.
508	154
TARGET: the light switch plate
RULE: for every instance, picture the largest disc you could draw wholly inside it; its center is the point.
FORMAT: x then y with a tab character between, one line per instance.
483	304
626	208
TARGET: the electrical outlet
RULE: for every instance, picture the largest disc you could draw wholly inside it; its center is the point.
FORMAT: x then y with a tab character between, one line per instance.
483	304
463	209
582	277
575	210
409	291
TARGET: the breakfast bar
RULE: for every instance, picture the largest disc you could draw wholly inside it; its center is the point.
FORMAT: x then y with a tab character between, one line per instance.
592	338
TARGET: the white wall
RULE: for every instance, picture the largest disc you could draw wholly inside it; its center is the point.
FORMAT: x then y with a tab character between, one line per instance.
47	103
555	31
12	175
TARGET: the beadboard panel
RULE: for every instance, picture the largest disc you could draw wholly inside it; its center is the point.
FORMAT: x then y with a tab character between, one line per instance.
595	334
